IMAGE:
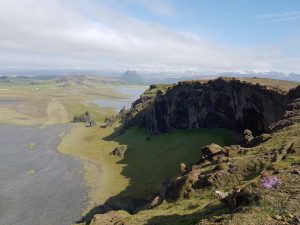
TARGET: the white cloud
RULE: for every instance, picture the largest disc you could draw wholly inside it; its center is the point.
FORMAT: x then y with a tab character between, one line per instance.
280	17
82	34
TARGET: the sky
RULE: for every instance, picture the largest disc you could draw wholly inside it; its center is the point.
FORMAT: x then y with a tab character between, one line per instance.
201	35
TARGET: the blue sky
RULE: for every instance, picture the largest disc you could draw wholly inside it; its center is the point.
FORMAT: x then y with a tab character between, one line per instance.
226	35
244	23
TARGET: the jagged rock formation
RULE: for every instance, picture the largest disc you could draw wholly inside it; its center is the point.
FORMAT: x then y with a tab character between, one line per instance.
83	118
292	113
225	102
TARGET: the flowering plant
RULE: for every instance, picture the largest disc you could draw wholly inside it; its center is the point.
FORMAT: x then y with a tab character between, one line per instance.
270	182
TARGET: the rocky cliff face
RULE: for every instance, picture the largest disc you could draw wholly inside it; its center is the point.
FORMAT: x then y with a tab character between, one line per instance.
221	103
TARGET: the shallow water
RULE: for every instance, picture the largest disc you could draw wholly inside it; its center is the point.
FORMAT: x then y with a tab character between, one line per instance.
8	102
131	93
38	185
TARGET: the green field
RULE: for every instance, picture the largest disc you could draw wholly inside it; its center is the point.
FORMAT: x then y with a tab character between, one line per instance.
54	100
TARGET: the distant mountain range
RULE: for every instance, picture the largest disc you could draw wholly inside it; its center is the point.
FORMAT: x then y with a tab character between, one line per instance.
272	75
169	77
146	77
181	76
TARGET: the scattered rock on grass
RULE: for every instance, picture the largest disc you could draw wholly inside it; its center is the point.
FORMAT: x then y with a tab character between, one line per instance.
119	151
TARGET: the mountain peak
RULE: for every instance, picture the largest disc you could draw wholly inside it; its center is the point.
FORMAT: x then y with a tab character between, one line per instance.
131	76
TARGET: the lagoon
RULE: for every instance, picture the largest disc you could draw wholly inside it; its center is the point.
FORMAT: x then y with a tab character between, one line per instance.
130	93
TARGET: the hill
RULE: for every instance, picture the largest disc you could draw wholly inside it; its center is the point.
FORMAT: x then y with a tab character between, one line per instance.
253	182
131	77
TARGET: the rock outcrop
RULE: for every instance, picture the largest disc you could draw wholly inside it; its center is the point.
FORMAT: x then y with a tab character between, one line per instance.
222	103
83	118
119	151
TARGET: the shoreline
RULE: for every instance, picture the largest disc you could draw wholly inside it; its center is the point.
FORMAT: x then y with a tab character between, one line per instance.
102	174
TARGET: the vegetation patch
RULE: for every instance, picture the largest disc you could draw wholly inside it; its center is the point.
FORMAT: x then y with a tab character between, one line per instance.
31	145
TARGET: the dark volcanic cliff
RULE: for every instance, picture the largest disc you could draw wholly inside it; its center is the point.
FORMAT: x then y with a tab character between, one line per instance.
221	103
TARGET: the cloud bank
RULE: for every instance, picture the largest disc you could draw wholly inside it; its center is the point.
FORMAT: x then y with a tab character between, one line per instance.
92	35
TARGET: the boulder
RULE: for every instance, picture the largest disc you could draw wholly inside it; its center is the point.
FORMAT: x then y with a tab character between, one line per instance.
259	139
156	201
220	178
182	187
248	137
91	123
238	198
119	151
221	196
209	151
183	169
251	141
231	150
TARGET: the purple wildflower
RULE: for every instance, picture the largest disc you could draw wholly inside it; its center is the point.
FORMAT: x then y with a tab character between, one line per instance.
270	182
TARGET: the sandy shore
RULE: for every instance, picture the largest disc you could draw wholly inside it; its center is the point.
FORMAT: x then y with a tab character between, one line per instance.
38	184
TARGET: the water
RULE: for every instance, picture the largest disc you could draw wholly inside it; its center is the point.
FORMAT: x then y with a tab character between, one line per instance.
131	93
8	102
38	184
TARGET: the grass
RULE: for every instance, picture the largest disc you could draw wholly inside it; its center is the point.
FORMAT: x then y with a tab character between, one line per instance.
9	116
149	160
160	156
102	174
146	164
56	113
48	102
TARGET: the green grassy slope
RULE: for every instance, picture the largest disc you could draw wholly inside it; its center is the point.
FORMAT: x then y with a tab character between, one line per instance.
150	160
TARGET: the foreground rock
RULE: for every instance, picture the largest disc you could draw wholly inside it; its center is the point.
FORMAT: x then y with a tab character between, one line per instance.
238	198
